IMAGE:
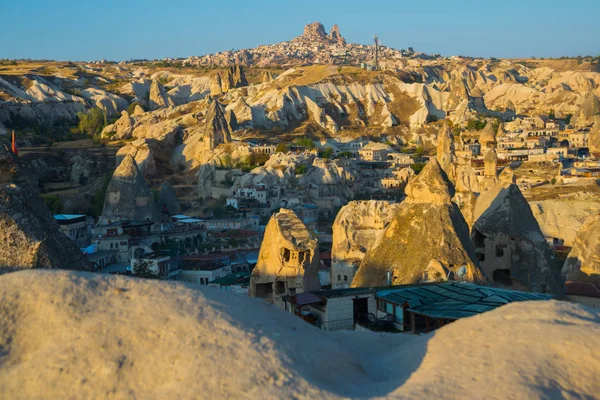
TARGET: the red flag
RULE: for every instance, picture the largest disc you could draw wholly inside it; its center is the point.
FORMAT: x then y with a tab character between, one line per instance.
14	144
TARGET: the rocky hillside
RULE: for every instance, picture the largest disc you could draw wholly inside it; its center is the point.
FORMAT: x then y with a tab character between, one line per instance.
29	235
96	336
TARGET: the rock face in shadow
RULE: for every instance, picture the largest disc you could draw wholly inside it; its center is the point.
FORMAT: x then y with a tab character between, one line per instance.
29	235
583	263
167	202
128	198
426	227
356	227
288	262
509	242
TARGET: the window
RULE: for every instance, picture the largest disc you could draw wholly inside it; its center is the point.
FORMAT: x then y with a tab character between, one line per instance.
499	251
280	287
339	277
346	278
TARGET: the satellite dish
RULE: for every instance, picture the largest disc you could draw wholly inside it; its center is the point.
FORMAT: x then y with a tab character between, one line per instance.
462	271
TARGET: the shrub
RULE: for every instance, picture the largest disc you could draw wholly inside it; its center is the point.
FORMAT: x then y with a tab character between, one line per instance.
91	122
300	169
54	204
282	148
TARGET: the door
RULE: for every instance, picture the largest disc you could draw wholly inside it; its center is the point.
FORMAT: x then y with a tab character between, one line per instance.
361	310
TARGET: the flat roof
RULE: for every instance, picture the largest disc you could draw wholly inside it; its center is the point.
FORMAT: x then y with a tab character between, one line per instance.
239	278
455	300
66	217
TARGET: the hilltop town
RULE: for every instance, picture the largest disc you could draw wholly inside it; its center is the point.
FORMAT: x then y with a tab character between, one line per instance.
306	186
314	46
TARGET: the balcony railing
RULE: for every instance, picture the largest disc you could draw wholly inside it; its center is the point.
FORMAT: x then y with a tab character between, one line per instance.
338	325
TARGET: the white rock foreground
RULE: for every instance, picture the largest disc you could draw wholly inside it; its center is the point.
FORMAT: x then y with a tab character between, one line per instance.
80	335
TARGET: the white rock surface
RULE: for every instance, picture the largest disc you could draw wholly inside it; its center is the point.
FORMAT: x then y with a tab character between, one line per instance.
85	335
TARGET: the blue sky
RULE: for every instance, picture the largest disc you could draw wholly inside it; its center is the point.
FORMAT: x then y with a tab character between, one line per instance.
120	30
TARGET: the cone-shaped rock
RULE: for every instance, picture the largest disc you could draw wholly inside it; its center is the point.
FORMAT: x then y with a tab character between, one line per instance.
583	263
430	186
510	245
426	227
158	97
445	150
288	262
128	198
216	130
29	235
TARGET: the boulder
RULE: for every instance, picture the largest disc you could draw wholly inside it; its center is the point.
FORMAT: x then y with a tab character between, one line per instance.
427	226
583	262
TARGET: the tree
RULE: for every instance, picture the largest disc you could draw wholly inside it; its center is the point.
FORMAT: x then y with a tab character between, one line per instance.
306	143
282	148
476	124
551	114
327	153
142	269
91	122
54	204
300	169
568	118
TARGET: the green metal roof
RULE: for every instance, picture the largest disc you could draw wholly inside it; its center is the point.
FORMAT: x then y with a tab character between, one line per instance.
239	278
456	299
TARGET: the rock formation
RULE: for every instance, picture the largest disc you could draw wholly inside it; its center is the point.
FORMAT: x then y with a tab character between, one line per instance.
121	129
158	98
128	198
583	262
594	140
509	243
216	130
288	262
426	227
216	86
356	227
490	164
167	202
314	31
487	136
445	151
127	326
141	151
267	76
234	78
336	36
29	235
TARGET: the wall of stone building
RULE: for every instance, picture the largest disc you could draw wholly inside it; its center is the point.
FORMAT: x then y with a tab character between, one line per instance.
341	308
342	270
584	300
492	259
